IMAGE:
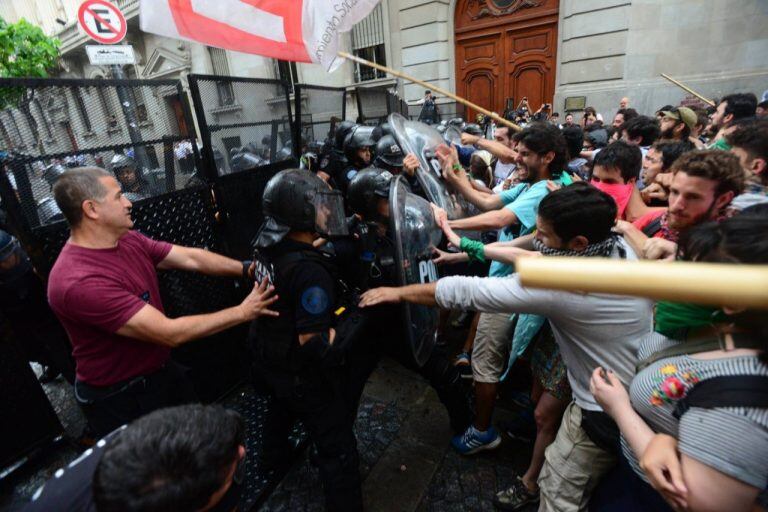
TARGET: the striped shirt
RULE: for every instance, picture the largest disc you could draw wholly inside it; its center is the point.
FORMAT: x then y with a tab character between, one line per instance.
731	440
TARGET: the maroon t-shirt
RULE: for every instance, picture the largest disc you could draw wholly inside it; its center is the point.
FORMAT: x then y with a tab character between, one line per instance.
94	292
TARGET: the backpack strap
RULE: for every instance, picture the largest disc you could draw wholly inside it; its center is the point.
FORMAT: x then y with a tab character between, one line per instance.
726	391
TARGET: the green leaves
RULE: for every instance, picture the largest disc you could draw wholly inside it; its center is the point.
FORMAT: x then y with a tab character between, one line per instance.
25	51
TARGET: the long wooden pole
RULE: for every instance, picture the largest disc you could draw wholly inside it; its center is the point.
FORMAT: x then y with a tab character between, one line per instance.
703	283
688	89
496	117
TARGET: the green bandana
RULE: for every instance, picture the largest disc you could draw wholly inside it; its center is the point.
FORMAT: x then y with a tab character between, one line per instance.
474	249
673	319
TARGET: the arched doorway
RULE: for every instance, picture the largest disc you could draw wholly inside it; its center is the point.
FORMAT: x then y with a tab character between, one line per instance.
506	50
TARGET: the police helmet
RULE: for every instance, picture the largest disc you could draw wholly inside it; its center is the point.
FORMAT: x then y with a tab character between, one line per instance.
365	187
358	138
441	128
52	173
13	260
297	199
342	130
388	151
381	130
456	121
120	161
473	129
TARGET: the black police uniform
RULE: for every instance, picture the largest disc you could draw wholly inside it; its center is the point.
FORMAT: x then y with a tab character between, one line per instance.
24	306
308	382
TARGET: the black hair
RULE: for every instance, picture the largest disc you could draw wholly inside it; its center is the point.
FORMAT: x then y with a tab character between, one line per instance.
574	140
644	127
763	105
541	138
740	105
427	92
752	137
664	108
621	155
170	459
579	210
738	240
628	113
672	150
555	114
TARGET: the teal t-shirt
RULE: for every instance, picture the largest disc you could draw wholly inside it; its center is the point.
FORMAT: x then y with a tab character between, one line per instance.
523	200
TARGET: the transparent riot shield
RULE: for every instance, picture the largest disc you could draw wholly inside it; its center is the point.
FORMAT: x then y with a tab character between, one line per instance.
422	140
416	234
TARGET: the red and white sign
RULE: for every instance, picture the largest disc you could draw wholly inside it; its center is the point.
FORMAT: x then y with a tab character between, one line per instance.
102	21
296	30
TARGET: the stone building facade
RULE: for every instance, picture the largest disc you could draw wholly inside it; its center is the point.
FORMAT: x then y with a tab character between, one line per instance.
490	50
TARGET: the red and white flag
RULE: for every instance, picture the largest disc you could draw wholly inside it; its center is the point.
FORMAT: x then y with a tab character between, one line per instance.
297	30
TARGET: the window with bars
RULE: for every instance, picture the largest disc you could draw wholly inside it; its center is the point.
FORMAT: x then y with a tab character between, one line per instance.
368	43
287	72
221	68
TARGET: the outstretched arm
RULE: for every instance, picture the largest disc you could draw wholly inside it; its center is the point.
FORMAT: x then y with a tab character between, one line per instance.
415	293
456	176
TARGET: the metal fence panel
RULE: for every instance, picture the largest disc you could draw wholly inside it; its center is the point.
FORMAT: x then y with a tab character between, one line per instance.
318	109
375	104
49	125
239	115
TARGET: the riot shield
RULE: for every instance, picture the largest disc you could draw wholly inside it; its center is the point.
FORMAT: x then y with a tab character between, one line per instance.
422	140
416	234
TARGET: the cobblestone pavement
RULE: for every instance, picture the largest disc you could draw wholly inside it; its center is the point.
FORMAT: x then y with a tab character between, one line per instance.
406	462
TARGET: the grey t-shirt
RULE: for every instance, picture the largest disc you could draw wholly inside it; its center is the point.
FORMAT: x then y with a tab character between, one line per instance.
731	440
592	329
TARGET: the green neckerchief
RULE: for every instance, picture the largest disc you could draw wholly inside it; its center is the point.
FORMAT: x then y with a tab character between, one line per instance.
673	319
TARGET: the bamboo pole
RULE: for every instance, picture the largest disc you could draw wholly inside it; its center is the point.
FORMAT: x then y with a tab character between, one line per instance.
688	89
704	283
496	117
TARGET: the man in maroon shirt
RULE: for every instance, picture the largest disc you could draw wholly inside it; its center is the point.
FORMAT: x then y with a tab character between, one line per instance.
104	290
703	184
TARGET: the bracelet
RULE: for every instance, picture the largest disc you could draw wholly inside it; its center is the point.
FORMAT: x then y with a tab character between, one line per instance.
246	266
457	167
474	249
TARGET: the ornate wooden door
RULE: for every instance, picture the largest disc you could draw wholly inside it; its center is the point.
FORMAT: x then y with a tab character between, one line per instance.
506	49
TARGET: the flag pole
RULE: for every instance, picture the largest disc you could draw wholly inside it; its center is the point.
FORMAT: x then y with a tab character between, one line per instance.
717	284
688	89
496	117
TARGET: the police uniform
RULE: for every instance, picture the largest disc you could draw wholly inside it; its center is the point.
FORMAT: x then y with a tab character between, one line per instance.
308	382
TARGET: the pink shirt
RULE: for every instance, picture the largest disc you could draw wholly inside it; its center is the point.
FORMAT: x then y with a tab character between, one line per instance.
94	292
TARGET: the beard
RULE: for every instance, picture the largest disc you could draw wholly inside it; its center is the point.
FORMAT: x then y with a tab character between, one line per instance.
679	223
669	133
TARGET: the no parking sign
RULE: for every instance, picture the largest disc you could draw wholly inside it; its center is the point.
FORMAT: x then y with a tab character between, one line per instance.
102	21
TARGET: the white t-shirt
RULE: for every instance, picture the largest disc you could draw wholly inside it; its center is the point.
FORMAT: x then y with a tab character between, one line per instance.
591	329
502	171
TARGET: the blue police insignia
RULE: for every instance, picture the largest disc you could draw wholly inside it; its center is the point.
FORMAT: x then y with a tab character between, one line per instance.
351	174
314	300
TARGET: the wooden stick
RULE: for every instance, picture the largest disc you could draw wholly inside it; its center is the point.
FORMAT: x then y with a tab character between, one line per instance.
704	283
688	89
496	117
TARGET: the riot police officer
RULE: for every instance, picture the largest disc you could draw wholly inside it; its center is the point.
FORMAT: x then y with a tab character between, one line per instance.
24	306
127	173
299	355
357	148
368	196
334	163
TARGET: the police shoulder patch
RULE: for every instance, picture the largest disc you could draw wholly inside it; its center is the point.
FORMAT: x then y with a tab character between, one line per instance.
314	300
351	174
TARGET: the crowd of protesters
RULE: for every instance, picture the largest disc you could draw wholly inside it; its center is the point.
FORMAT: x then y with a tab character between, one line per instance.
637	405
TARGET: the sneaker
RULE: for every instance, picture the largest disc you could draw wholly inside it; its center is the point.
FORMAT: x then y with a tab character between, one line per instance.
473	441
515	497
462	360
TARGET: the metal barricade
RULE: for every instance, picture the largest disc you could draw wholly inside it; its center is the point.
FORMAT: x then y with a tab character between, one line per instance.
318	109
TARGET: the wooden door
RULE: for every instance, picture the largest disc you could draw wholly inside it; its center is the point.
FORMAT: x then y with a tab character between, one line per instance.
506	49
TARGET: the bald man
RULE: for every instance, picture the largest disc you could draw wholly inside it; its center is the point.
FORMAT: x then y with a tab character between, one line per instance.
624	103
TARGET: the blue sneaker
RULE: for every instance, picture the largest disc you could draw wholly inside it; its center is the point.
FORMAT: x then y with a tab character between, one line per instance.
473	441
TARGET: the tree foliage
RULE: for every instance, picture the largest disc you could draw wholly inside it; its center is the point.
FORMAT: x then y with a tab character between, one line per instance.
25	51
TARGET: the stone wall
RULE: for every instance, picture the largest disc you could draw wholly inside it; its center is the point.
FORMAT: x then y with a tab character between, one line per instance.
614	48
